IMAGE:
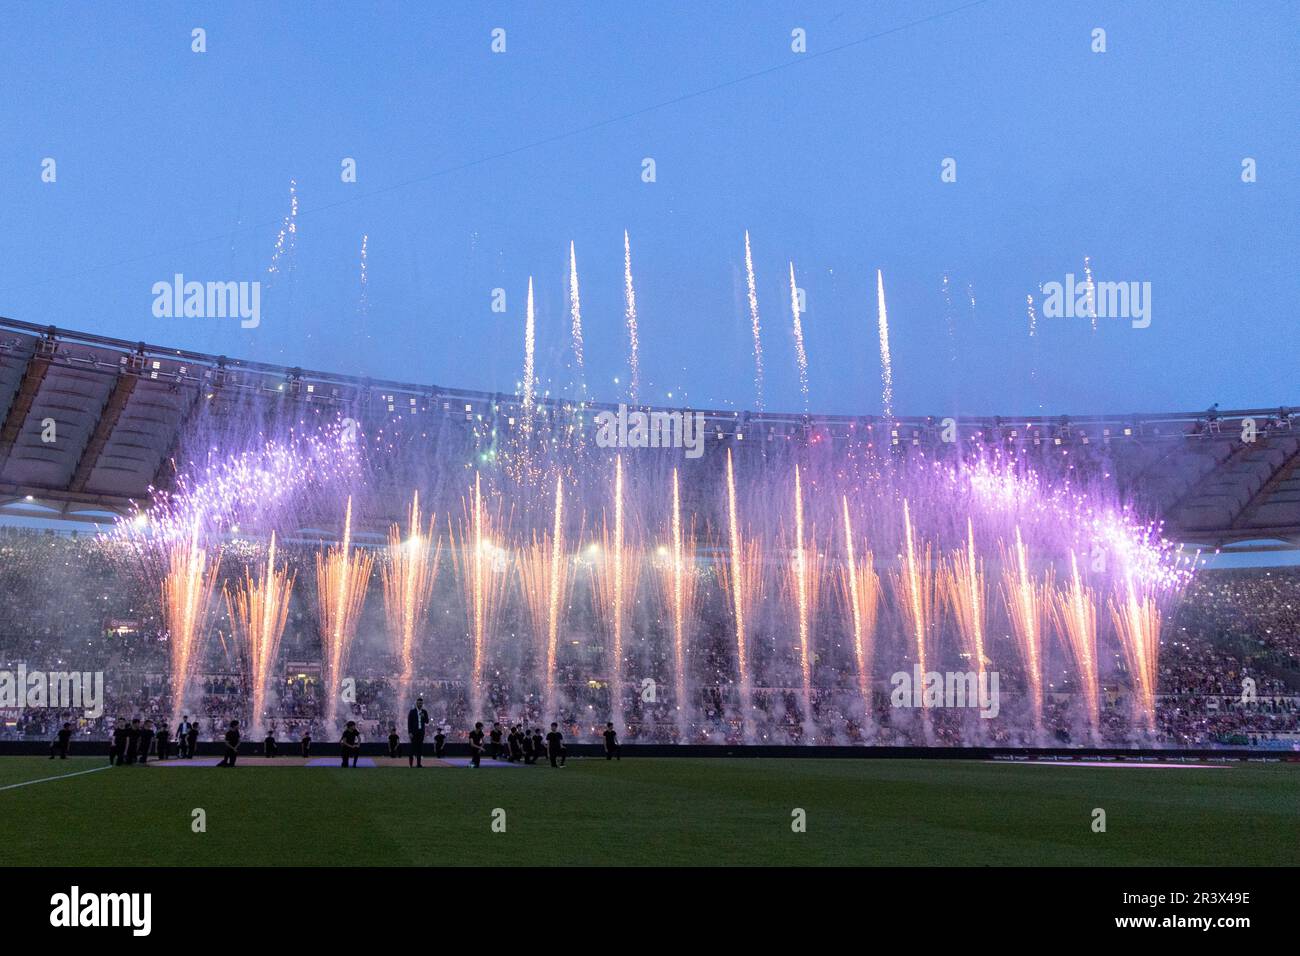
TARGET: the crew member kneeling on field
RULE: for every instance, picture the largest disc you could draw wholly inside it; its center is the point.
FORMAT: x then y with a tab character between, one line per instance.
232	745
350	743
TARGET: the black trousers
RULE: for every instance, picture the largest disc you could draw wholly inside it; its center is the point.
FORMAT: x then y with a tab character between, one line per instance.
192	745
417	747
556	753
229	759
352	752
475	756
59	749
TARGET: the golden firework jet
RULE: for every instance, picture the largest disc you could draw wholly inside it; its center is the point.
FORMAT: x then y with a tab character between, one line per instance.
860	587
678	587
1026	600
408	576
1074	611
482	562
614	589
342	580
188	585
1137	618
258	609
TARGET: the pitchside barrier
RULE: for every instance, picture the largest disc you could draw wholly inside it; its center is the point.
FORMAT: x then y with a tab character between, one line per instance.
289	749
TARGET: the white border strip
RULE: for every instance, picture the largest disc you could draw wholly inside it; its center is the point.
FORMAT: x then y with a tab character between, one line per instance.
62	776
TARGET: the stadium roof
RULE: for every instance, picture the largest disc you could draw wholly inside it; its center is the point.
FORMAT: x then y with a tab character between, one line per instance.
88	424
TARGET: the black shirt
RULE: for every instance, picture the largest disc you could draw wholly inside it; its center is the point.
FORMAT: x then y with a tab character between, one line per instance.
611	738
476	738
351	736
553	740
232	739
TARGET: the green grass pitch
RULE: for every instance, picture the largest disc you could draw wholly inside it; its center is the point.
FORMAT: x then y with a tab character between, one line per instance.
650	811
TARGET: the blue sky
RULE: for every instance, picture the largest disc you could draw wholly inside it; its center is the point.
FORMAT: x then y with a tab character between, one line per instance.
468	180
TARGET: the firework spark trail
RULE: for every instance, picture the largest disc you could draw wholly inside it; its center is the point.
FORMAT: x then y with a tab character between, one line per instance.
967	593
634	345
1026	600
1074	611
801	356
886	361
1137	621
861	587
342	579
544	573
916	593
187	590
287	240
805	580
530	373
740	580
575	314
408	577
1091	287
755	326
259	609
483	567
679	595
614	590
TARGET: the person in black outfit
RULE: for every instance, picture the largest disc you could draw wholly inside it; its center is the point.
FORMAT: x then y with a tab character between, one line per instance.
394	742
183	738
164	736
416	722
61	742
439	743
611	742
539	745
268	745
494	742
350	743
305	743
555	745
132	741
476	744
526	742
146	740
232	745
117	748
192	740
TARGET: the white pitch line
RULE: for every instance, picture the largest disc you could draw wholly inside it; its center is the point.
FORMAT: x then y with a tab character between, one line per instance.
62	776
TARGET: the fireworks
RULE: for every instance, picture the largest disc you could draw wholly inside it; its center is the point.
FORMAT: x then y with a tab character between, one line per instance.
886	361
916	593
805	582
861	587
483	567
342	577
545	574
1026	600
755	327
259	608
964	585
633	343
678	583
1075	612
408	577
575	316
800	356
614	587
187	591
742	580
1136	616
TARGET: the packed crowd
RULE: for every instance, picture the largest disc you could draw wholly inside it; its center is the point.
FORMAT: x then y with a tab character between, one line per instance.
1229	673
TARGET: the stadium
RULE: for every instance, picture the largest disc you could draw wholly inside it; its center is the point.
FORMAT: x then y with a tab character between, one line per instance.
585	437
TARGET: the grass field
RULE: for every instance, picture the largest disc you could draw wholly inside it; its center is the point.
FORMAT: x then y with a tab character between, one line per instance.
650	811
